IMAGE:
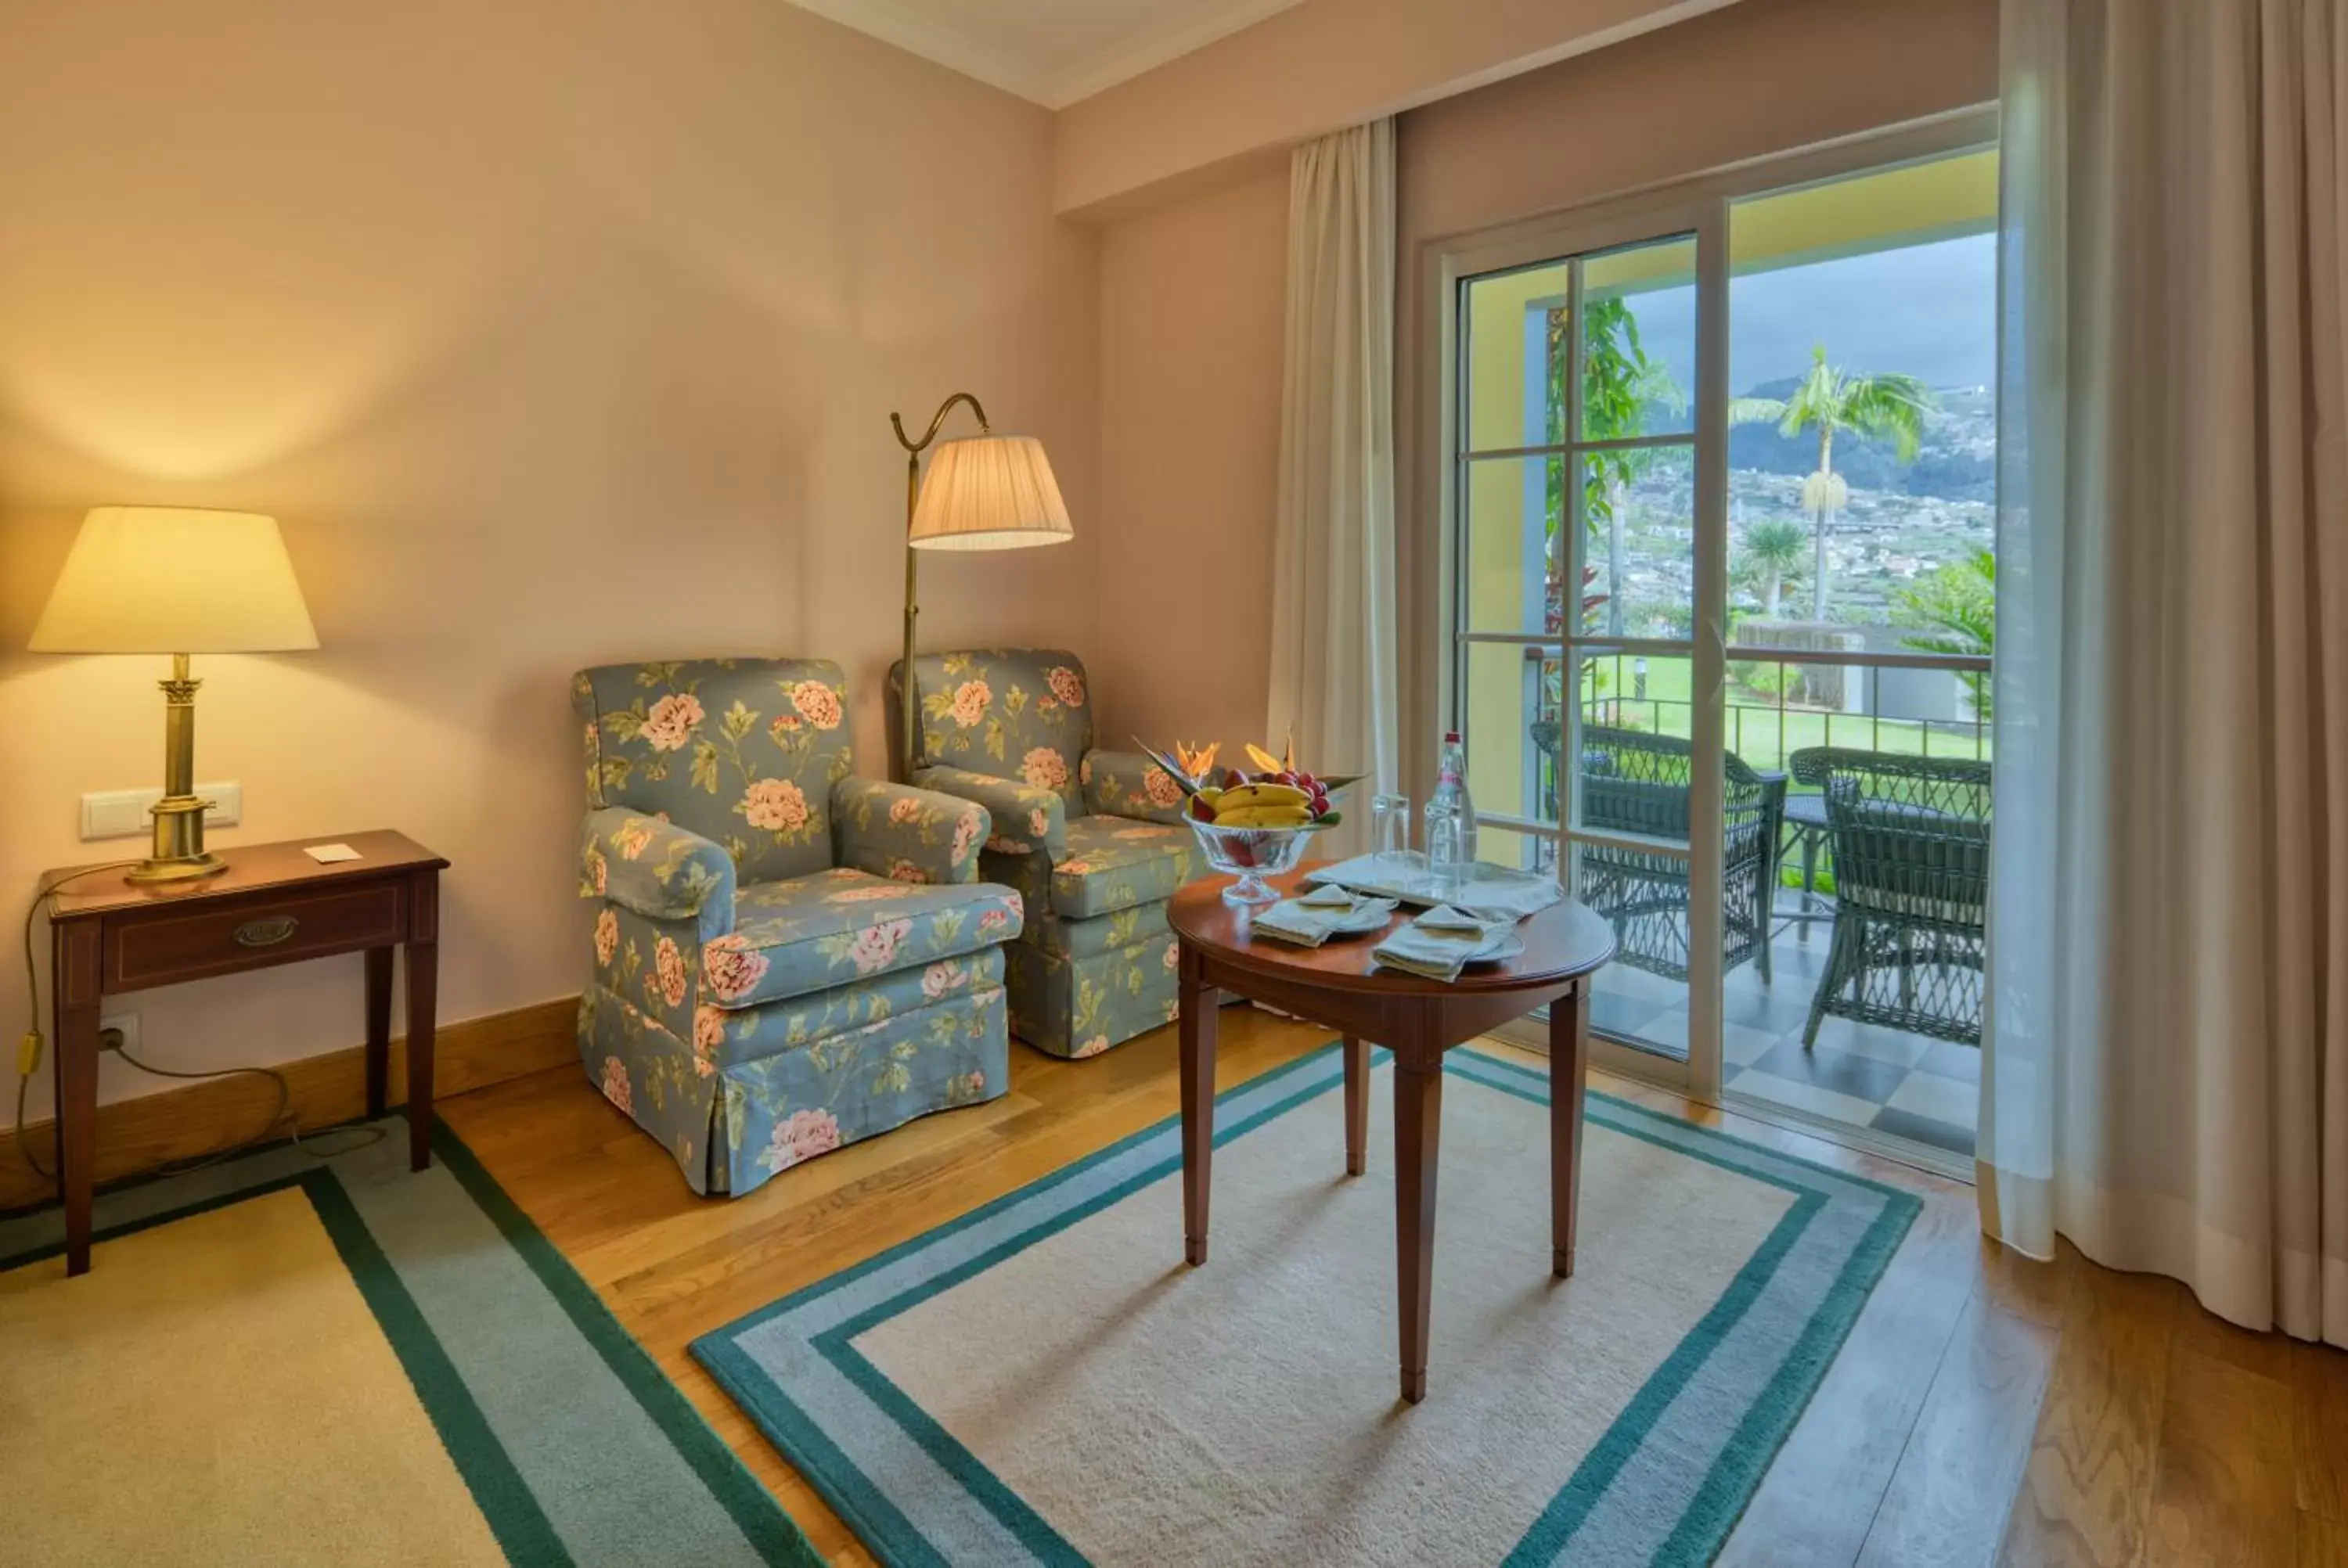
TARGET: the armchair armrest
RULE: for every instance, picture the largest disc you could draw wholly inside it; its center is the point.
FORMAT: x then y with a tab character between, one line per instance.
1128	784
909	834
1024	817
657	868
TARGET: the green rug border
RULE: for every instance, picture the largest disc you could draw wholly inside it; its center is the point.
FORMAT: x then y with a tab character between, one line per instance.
1769	1420
519	1525
855	1499
522	1529
1726	1491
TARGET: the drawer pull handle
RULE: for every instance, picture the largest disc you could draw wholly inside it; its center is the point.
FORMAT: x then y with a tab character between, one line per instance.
266	933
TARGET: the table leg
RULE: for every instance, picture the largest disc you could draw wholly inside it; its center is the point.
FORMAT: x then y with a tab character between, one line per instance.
1569	1081
1357	1105
75	1083
378	1029
423	969
1198	1052
1418	1130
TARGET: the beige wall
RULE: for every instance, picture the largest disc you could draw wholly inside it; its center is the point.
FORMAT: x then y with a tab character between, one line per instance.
1191	308
1241	102
556	332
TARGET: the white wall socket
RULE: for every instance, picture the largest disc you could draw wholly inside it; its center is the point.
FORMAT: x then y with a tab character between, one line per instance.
128	1022
122	813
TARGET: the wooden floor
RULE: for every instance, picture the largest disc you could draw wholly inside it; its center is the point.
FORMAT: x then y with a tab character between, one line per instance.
1986	1408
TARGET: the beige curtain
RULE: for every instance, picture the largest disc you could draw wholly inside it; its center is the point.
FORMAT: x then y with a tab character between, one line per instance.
2166	1065
1333	678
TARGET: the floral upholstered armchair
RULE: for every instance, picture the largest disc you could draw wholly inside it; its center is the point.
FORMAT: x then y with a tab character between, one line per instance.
1092	840
787	958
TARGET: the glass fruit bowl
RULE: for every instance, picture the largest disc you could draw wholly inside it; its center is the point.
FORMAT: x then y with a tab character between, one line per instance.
1253	854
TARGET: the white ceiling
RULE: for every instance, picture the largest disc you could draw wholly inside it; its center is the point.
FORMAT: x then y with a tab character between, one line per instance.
1051	52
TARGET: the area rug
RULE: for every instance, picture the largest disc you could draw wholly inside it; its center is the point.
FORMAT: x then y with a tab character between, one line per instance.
281	1359
1044	1381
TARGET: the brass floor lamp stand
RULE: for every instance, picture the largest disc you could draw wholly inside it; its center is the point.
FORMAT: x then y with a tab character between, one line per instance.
908	697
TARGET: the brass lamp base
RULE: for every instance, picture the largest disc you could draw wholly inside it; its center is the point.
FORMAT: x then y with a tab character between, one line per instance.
178	816
153	870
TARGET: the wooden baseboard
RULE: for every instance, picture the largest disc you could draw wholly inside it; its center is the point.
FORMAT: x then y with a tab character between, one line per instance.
135	1135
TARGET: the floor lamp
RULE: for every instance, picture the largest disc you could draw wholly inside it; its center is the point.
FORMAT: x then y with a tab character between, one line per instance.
983	492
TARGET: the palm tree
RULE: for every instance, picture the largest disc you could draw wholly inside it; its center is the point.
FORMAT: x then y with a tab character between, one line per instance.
1773	550
1956	605
1619	383
1829	400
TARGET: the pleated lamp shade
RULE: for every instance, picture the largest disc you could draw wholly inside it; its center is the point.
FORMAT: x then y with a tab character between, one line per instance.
989	493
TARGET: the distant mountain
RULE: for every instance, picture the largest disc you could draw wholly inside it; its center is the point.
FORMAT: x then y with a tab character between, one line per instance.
1958	460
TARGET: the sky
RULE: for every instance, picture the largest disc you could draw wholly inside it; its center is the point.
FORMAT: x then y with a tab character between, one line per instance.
1927	311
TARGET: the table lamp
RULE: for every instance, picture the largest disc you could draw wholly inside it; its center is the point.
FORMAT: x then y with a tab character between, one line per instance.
176	580
985	492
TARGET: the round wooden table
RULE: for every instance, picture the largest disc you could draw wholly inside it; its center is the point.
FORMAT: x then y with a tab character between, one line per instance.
1419	1019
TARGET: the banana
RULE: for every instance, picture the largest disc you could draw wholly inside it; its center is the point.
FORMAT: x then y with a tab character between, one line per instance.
1264	816
1256	794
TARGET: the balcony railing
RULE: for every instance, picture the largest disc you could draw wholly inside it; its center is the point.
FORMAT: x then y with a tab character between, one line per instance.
1767	717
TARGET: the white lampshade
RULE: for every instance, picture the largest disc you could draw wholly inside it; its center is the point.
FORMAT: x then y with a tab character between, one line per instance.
174	579
989	493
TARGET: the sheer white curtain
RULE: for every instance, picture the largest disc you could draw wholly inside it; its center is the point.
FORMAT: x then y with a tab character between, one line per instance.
1334	676
2166	1073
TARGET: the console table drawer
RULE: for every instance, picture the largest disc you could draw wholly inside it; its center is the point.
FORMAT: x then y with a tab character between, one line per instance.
156	949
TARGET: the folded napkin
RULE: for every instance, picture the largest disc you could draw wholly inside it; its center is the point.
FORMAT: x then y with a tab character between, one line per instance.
1485	890
1311	919
1439	944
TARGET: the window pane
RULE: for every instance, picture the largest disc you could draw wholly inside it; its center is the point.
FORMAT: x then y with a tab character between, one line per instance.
1512	391
1640	998
1862	440
1517	851
1640	550
1511	689
1514	558
1638	341
1638	507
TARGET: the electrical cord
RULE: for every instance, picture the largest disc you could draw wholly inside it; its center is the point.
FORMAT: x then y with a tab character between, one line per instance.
28	1062
28	1050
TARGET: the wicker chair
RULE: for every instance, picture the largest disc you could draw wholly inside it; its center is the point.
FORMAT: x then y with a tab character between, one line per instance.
1636	783
1910	843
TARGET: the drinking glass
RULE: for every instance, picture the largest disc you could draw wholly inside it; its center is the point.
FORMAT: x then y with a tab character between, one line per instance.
1442	849
1390	827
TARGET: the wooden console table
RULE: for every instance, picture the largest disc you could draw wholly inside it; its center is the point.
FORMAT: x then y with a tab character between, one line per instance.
1419	1019
273	905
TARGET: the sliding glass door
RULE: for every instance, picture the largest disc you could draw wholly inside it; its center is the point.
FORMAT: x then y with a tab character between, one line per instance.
1715	494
